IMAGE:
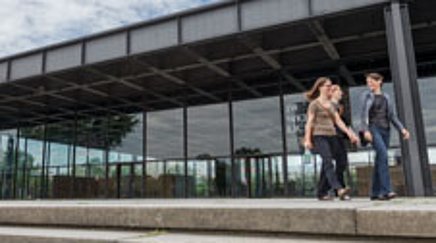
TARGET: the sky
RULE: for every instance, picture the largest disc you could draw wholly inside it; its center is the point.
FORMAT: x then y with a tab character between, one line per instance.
29	24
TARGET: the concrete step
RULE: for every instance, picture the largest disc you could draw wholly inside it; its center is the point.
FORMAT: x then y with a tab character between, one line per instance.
359	217
61	235
58	235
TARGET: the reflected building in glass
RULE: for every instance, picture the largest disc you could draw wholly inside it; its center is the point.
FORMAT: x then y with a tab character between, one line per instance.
183	107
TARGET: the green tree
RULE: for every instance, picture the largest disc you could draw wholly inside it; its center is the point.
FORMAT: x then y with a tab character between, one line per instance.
21	160
114	128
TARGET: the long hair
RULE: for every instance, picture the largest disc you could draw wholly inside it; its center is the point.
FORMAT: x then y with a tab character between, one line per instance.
335	88
314	93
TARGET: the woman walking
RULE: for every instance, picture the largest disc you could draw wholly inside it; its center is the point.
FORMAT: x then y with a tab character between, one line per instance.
377	114
320	135
341	154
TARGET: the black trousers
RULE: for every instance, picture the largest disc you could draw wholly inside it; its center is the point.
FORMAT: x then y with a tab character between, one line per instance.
329	148
341	158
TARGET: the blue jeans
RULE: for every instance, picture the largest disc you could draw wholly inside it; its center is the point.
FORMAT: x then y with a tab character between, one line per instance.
381	181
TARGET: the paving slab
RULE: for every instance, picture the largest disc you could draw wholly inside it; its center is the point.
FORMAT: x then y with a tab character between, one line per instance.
409	218
293	216
401	217
57	235
62	235
218	238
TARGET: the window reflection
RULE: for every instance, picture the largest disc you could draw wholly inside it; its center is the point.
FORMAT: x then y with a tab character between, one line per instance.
165	134
257	126
125	138
427	89
7	162
208	131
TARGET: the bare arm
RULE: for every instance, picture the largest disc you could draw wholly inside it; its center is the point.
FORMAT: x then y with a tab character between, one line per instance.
308	129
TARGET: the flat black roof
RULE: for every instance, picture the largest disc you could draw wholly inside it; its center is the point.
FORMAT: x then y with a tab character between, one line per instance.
194	56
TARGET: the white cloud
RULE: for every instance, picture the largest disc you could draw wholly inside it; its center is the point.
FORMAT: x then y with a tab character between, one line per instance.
28	24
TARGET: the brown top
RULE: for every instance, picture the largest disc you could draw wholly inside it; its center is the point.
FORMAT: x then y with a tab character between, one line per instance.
323	122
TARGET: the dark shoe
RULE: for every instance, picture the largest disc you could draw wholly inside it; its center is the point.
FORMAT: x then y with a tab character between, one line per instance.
379	198
326	198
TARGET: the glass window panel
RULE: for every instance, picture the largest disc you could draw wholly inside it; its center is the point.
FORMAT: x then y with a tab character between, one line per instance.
126	137
257	126
427	90
35	141
165	134
7	163
208	131
295	107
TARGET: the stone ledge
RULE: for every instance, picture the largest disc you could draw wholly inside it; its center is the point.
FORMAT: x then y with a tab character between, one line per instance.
319	221
398	220
57	235
360	217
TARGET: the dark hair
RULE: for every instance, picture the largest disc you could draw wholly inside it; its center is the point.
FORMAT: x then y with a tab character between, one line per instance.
376	76
313	93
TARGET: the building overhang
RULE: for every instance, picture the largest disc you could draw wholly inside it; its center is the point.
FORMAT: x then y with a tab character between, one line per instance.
192	58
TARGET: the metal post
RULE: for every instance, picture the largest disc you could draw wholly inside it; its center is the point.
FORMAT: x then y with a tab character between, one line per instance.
87	162
144	155
404	76
270	177
24	170
16	164
68	159
47	169
185	149
132	180
44	152
106	156
118	178
73	168
232	142
284	140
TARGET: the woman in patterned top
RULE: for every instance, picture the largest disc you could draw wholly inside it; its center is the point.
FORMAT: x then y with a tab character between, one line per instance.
320	135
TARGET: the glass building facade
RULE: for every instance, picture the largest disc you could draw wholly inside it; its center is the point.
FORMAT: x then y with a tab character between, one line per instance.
242	148
175	108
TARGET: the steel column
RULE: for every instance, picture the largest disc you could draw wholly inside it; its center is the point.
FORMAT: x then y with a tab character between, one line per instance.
185	149
404	76
144	154
106	156
284	140
73	168
44	157
232	142
16	164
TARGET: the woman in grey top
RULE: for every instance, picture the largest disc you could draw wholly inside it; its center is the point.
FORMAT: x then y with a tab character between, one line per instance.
320	135
377	114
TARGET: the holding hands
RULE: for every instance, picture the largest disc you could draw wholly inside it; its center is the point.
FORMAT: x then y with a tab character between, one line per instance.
353	137
405	133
